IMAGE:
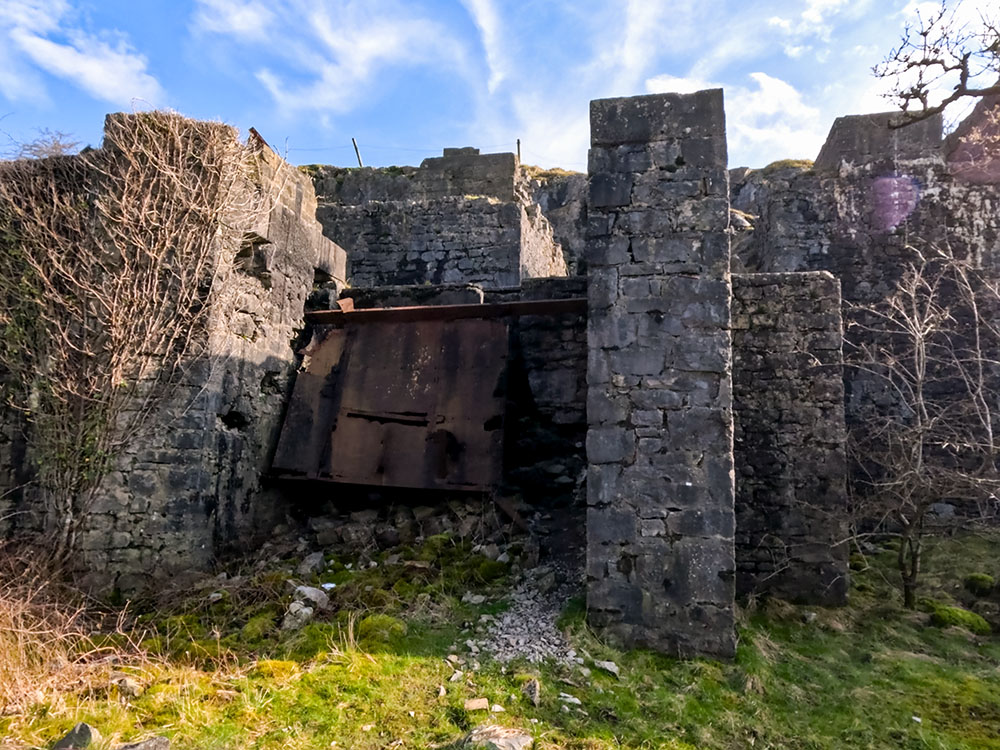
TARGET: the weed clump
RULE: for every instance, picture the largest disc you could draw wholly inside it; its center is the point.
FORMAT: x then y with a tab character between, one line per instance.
789	164
491	570
380	630
259	626
979	584
944	616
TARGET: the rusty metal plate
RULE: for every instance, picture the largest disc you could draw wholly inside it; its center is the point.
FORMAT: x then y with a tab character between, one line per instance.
400	404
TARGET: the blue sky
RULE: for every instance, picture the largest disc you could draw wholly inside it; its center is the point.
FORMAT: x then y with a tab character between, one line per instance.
408	78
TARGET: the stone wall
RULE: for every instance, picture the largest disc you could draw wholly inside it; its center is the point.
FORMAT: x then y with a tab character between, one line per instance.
460	218
459	172
189	485
562	198
873	196
450	240
788	405
660	522
12	518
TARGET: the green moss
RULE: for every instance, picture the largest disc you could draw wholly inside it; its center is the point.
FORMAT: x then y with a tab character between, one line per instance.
435	547
279	670
185	625
979	584
380	630
491	570
313	639
259	626
944	616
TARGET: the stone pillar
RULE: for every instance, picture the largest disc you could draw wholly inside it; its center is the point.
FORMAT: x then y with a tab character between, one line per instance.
660	520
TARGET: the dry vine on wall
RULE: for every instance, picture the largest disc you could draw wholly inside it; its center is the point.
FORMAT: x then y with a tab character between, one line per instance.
108	261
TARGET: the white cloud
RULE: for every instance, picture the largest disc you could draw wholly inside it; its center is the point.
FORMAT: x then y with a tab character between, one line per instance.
815	20
771	117
817	11
486	18
248	19
333	51
115	74
668	84
966	12
106	67
40	16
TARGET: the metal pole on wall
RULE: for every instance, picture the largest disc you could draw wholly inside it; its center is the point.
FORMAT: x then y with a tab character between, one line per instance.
519	150
357	152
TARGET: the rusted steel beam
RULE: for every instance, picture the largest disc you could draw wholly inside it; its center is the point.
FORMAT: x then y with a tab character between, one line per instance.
450	312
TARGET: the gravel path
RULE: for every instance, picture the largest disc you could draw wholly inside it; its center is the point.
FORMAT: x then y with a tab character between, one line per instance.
528	628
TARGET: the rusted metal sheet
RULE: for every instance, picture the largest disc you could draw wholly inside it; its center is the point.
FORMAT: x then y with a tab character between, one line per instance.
449	312
416	404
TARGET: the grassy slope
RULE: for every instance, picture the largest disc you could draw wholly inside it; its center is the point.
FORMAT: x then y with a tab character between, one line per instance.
852	678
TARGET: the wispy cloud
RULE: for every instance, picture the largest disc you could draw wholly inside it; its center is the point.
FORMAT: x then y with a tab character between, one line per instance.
487	20
331	51
815	20
240	18
105	66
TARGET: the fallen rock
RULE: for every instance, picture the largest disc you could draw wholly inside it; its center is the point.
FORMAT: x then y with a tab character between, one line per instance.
153	743
608	666
571	699
545	580
532	690
297	616
327	530
79	737
498	738
126	684
312	565
475	599
477	704
312	595
423	512
369	515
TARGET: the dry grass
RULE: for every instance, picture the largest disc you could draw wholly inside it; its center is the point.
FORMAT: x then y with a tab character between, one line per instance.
49	647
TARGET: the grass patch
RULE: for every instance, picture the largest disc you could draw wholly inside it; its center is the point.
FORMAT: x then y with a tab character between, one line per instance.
374	674
545	175
805	164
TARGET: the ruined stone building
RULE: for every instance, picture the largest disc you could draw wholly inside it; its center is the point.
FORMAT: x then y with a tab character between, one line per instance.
471	325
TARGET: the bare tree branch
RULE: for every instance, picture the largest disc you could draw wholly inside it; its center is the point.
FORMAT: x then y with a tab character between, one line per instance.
942	61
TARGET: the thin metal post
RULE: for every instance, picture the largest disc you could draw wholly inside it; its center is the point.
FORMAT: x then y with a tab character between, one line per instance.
357	152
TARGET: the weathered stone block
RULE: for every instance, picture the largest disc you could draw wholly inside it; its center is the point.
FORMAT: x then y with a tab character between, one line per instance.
663	358
656	117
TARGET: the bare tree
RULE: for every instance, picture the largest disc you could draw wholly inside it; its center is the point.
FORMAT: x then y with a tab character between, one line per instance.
943	60
48	143
927	432
107	266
